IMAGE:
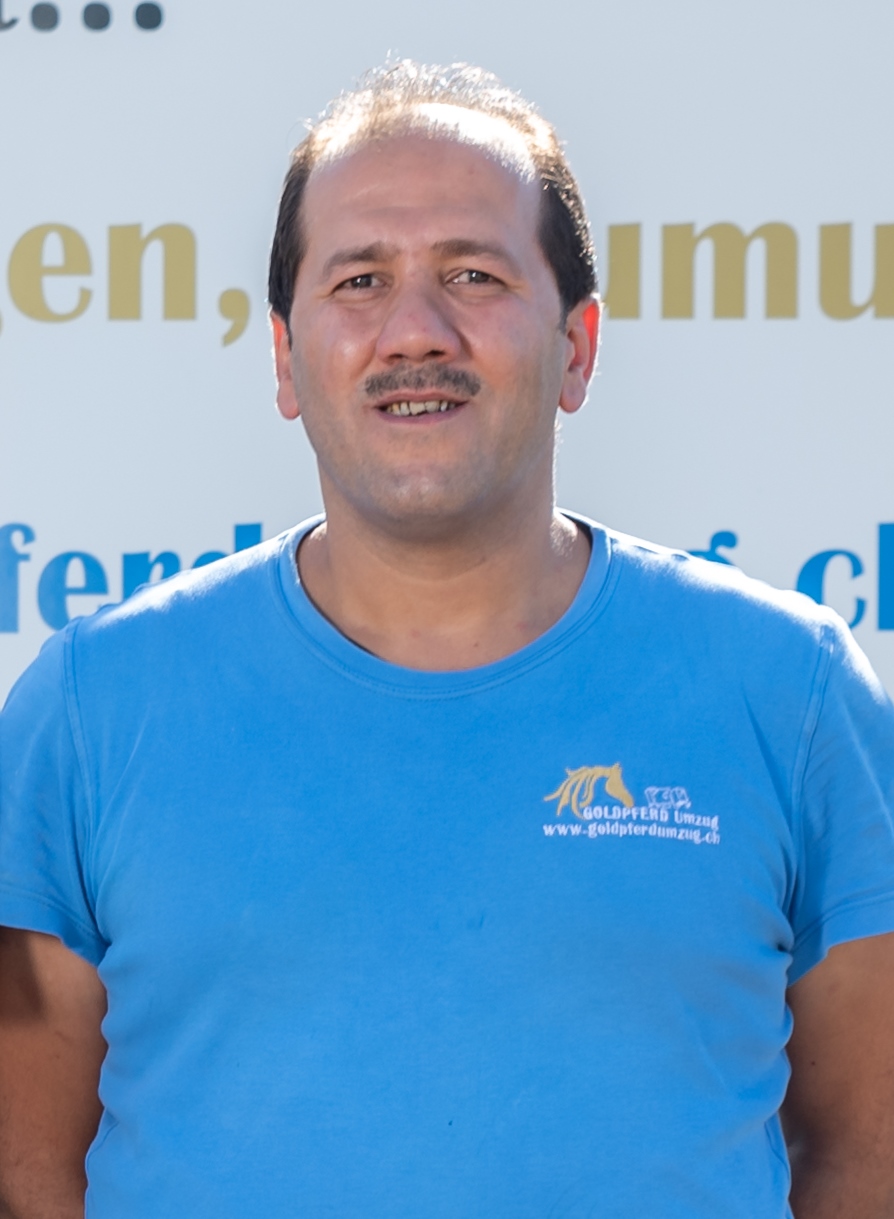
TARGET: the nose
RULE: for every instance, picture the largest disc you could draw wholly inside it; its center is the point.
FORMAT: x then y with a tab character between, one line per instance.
417	326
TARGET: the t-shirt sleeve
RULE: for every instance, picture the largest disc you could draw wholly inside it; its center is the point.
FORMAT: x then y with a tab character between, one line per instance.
845	883
44	809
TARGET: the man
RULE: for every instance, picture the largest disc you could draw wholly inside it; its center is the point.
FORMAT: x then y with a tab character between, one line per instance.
449	856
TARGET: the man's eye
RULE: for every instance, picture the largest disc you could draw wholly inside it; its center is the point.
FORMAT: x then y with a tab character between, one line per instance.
474	277
359	281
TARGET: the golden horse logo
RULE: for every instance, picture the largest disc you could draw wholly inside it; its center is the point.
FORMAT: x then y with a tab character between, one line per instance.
577	790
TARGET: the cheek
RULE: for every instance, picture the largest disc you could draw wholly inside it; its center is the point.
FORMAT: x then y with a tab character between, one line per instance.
518	358
329	358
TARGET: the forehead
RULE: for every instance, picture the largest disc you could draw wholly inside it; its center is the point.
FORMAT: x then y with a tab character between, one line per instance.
491	133
413	184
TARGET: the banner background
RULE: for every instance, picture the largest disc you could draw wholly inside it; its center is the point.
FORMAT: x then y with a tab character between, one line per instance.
148	436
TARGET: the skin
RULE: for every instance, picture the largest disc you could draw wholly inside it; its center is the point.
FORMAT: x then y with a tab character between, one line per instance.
442	550
838	1115
51	1049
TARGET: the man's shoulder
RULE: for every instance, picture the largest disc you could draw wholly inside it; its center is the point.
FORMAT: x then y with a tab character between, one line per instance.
710	639
179	631
225	595
718	607
712	586
182	656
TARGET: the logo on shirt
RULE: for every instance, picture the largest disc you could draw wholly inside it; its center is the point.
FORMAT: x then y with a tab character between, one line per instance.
577	790
667	811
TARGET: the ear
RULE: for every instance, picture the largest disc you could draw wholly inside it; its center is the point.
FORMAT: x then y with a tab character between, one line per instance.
286	398
582	338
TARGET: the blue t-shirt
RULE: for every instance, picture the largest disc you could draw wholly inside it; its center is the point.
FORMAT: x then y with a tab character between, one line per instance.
507	942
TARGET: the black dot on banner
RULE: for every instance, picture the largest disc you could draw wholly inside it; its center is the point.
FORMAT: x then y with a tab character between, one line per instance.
45	16
148	16
97	17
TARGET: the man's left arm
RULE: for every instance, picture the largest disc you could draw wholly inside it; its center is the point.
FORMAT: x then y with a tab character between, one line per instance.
838	1114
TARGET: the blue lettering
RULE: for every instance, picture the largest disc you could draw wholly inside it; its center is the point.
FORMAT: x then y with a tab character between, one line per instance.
244	537
10	558
725	538
54	590
210	556
137	569
812	578
886	577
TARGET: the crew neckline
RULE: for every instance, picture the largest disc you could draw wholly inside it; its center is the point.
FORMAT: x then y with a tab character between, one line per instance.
353	661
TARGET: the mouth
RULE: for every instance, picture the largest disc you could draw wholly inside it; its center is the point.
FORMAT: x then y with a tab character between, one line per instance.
430	406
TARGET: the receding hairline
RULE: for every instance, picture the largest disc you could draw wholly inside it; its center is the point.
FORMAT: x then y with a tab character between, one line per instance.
468	105
492	134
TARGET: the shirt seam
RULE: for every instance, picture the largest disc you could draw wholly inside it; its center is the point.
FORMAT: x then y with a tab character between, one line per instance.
809	727
848	907
511	673
49	904
78	736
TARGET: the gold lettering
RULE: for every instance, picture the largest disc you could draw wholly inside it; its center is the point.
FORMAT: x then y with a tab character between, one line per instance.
835	272
28	270
730	250
622	296
235	308
127	245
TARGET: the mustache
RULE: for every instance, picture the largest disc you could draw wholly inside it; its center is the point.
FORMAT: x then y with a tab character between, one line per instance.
466	384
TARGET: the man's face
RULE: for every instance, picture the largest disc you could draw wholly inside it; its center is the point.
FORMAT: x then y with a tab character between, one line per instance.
429	353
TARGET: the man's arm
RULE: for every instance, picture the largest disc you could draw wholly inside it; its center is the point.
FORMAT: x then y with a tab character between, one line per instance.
838	1115
51	1050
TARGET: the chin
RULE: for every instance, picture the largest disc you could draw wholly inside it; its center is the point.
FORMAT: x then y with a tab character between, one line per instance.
426	508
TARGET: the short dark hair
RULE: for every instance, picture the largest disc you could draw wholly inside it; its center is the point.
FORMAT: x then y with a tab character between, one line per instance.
383	104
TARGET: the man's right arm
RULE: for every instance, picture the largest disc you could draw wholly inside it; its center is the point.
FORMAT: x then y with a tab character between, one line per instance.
51	1049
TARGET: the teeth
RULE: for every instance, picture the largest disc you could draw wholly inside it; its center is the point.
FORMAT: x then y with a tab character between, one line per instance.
432	407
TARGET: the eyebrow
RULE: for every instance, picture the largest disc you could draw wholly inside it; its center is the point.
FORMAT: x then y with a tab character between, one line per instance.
376	251
465	247
452	247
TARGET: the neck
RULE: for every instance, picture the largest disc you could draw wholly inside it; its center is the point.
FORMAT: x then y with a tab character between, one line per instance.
451	600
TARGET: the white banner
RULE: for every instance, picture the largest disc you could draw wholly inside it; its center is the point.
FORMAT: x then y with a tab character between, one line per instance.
737	165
